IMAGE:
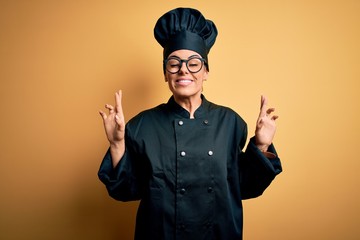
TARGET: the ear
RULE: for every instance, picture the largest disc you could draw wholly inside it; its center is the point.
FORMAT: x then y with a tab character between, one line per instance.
205	75
165	78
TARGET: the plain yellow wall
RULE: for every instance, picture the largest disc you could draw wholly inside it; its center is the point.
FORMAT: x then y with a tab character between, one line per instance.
61	61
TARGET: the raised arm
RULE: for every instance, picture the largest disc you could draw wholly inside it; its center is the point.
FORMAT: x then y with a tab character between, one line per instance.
114	124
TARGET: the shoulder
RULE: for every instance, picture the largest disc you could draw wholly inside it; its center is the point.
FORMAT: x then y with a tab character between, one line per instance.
228	121
224	112
148	115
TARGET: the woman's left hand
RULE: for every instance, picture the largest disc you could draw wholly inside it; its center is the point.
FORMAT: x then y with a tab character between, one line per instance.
265	126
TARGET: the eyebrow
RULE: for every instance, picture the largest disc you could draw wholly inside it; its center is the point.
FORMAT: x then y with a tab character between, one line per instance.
194	55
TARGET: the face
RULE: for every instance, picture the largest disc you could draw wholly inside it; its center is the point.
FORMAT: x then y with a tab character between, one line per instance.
184	84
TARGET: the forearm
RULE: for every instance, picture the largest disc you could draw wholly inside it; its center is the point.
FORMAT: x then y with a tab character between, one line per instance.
117	152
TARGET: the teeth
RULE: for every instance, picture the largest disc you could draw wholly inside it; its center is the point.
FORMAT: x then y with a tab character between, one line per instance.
185	80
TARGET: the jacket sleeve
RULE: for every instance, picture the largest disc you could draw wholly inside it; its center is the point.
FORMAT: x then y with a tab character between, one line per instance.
122	182
256	170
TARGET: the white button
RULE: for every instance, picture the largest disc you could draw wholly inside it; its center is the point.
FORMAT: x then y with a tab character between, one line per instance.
181	123
210	153
183	154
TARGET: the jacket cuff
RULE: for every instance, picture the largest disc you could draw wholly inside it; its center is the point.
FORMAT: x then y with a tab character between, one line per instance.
270	153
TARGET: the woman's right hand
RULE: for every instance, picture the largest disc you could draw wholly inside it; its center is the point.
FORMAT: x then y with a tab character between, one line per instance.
114	124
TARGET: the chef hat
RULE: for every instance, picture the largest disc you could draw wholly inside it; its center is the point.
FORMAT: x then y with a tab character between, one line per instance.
185	28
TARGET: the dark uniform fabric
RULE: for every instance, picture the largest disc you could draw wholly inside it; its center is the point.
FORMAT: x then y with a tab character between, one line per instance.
190	174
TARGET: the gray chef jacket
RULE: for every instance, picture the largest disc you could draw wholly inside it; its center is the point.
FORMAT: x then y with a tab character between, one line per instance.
190	174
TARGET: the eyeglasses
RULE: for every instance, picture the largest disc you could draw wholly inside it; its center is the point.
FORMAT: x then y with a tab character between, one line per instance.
193	64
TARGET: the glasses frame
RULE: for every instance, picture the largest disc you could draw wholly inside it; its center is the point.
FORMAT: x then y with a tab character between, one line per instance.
186	61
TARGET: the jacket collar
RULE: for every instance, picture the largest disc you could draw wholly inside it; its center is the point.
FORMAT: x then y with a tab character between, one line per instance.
177	109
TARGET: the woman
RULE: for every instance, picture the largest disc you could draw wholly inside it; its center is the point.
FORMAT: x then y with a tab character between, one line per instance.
184	159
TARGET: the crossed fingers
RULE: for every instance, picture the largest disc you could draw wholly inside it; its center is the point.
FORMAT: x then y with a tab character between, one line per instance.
266	112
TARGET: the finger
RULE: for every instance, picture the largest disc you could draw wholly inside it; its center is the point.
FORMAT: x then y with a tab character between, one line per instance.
274	117
270	110
118	101
263	106
120	122
108	106
103	115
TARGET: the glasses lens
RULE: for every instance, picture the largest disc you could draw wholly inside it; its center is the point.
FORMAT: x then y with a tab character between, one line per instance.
173	65
194	65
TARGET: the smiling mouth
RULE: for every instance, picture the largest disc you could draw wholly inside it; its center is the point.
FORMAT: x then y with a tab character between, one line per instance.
184	81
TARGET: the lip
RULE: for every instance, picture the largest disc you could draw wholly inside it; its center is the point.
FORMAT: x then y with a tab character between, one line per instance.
184	81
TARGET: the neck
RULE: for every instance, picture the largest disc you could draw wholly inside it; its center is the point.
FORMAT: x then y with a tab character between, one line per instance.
189	103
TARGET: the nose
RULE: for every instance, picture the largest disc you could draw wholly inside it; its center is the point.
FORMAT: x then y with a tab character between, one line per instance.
183	67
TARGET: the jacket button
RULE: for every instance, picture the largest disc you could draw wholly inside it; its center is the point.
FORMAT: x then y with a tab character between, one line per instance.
206	122
181	123
210	189
183	154
182	191
210	153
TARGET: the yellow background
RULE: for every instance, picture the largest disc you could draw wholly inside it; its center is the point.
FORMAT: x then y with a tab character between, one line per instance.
61	61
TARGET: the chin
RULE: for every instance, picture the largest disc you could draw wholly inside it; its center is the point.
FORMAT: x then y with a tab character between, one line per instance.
186	94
